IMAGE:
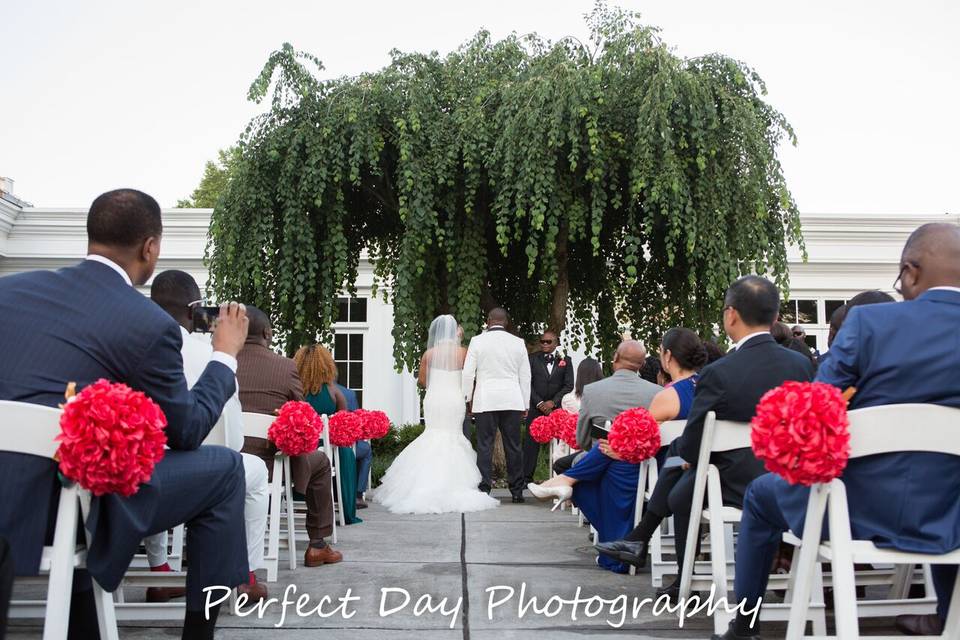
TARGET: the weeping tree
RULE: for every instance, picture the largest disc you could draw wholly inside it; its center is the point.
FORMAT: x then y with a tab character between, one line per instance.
590	186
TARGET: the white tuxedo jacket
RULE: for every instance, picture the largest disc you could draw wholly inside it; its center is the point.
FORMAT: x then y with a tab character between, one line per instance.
499	363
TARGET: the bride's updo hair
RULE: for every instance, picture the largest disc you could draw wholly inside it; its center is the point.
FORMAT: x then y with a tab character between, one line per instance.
686	348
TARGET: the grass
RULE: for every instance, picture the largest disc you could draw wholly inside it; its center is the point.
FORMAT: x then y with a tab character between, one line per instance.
386	449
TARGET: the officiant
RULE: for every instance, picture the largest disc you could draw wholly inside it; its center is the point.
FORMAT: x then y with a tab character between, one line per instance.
551	379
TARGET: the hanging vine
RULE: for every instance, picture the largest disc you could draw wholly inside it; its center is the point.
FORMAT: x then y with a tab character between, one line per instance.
588	186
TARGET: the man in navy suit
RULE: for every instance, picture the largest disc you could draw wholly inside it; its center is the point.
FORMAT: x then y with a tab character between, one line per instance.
88	322
890	353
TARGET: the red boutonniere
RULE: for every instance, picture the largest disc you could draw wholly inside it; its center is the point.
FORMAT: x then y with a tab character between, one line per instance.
563	362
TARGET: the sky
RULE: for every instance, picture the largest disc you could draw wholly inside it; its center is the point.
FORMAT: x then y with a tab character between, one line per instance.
98	95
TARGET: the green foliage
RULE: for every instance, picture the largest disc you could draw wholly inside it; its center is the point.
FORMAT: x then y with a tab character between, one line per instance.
214	181
610	185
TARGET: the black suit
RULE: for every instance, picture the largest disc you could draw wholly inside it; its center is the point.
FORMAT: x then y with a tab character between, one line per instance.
83	323
731	387
544	385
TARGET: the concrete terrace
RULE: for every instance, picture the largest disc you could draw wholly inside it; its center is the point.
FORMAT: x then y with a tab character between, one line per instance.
452	556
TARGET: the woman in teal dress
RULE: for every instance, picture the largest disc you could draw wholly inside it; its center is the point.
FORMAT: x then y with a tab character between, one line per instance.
318	373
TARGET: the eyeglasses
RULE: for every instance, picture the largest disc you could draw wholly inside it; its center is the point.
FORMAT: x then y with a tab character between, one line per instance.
903	267
546	342
798	333
196	302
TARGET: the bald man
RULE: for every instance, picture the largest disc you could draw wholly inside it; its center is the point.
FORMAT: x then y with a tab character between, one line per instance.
891	353
625	389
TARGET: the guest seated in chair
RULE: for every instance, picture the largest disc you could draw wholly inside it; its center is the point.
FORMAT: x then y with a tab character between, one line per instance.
602	487
588	371
318	373
890	353
364	451
87	322
177	293
267	380
731	387
682	355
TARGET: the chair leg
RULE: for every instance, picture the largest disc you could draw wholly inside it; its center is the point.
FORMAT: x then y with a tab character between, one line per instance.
951	627
806	573
60	583
291	530
106	614
273	539
718	547
335	464
844	584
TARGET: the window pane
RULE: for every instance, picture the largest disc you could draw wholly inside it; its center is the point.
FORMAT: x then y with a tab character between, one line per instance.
342	374
788	312
829	306
342	311
359	398
358	310
356	375
356	346
807	312
340	346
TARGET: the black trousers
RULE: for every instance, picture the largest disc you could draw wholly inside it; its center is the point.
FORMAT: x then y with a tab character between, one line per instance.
467	426
531	449
508	423
6	584
562	465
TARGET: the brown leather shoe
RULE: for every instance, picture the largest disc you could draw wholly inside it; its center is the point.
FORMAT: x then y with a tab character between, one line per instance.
164	594
919	625
316	557
256	592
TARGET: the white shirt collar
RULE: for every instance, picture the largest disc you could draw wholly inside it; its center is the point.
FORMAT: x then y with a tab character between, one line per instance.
954	289
113	265
744	339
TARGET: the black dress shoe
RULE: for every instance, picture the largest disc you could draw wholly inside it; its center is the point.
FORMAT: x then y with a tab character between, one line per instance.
673	591
518	499
628	551
730	634
919	625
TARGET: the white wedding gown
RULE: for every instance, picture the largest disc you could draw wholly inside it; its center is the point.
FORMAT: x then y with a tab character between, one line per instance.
437	472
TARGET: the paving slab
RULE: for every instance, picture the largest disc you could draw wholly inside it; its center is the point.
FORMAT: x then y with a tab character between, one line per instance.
558	542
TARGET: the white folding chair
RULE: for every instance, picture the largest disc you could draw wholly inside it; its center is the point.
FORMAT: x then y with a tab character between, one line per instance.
660	543
256	425
336	490
719	436
874	430
31	429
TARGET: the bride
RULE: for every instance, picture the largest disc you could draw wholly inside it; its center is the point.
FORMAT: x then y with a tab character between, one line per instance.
437	472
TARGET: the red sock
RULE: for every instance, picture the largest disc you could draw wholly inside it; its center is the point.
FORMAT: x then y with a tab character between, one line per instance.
164	567
253	577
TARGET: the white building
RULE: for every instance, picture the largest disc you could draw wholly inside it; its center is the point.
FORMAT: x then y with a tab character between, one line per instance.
846	254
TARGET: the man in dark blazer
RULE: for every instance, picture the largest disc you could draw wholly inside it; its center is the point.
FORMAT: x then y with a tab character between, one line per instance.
551	378
87	322
267	381
731	387
891	353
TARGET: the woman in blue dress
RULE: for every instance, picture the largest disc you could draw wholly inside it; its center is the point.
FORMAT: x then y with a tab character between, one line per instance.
605	487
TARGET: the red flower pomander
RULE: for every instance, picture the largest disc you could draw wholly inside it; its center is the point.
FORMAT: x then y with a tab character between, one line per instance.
565	427
346	427
296	430
635	435
375	424
542	429
111	438
801	432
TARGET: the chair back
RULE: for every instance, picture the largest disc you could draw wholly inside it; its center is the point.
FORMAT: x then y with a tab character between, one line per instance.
880	429
218	434
255	425
721	435
670	431
327	446
29	428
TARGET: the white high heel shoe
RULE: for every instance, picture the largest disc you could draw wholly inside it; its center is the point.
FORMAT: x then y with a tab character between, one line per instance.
562	494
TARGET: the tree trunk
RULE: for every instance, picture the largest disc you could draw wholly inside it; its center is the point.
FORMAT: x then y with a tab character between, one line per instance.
561	290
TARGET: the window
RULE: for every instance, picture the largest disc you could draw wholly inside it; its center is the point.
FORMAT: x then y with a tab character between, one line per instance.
830	306
352	310
799	312
348	344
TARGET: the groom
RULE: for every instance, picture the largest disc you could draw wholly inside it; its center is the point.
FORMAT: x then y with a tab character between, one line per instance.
500	364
